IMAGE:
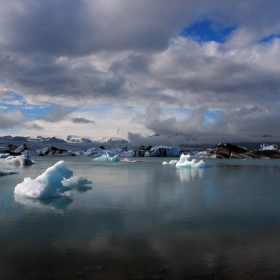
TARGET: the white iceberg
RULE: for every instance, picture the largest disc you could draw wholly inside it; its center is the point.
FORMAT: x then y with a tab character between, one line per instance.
107	158
49	184
173	161
185	162
19	160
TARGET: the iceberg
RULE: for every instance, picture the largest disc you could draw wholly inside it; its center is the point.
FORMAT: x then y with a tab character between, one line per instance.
19	160
48	184
7	172
173	161
107	158
185	162
163	151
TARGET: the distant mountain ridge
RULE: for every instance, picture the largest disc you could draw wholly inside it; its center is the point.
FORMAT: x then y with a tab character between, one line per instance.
32	139
108	140
69	139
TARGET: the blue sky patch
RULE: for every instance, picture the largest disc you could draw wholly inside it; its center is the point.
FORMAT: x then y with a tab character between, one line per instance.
270	38
206	30
212	116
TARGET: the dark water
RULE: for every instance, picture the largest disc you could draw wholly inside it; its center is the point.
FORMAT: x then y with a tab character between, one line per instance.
145	220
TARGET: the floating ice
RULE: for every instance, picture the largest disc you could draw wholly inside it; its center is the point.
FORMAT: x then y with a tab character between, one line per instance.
4	155
173	161
7	172
163	151
19	160
75	181
46	185
107	158
184	162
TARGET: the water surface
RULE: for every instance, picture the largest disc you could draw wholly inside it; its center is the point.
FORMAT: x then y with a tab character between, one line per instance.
145	220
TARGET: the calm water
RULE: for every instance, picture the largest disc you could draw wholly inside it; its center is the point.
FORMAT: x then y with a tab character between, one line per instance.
145	220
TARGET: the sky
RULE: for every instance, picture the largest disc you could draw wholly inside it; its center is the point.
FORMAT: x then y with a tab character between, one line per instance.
189	72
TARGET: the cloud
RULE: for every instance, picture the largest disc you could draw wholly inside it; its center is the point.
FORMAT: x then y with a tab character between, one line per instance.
82	120
134	53
33	126
11	119
56	114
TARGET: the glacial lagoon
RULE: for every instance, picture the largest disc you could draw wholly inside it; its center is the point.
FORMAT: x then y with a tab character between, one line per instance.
144	220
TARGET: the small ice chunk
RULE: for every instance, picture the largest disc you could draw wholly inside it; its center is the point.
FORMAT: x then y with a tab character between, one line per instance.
19	160
75	181
7	172
107	158
173	161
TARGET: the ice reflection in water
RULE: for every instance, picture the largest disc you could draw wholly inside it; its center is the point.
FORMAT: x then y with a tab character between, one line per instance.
189	174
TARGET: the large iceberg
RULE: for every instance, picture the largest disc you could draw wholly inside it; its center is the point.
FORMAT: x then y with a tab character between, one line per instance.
185	162
48	184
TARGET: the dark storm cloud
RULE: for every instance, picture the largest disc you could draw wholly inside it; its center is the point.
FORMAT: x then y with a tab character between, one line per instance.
82	120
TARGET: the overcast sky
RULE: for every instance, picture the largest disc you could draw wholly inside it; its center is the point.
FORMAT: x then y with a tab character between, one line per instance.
189	71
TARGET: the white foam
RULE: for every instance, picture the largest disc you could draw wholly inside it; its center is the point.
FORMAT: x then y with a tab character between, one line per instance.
47	184
185	162
75	181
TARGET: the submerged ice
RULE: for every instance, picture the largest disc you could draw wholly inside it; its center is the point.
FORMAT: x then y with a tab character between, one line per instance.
52	183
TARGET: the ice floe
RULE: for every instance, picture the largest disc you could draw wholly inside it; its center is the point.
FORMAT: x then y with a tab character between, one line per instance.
56	180
7	172
185	162
107	158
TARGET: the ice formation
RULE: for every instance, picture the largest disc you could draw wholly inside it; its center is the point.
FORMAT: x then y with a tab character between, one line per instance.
75	181
107	158
4	155
48	184
170	162
19	160
163	151
184	162
7	172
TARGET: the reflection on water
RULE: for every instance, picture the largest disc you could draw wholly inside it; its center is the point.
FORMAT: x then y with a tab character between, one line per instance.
189	174
146	221
58	204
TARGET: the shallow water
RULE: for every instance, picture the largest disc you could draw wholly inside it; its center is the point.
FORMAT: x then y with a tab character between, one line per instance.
145	220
